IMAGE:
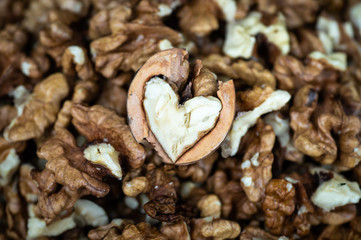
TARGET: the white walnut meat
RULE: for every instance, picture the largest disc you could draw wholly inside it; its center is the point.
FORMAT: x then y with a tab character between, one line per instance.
241	35
86	213
152	116
336	192
245	120
38	110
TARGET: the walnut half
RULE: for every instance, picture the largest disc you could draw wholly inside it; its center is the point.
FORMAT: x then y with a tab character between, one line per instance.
181	133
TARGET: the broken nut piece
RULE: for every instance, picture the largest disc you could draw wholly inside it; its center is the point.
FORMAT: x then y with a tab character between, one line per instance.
185	133
105	155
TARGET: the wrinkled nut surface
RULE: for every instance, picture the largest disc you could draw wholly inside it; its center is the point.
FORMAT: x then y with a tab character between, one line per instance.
193	135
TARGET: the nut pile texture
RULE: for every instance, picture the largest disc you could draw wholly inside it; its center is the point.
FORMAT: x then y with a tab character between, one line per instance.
180	119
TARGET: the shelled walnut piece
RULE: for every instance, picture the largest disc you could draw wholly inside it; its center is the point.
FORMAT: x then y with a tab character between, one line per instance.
147	90
38	110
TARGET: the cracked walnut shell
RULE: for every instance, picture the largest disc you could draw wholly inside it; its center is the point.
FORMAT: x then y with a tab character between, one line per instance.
198	126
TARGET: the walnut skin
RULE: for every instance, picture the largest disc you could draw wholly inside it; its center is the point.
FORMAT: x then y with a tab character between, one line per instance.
173	65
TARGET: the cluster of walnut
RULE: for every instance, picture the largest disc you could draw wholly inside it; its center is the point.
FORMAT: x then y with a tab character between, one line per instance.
180	119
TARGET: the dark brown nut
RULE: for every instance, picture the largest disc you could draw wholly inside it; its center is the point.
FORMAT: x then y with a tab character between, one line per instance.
198	19
141	231
204	82
257	162
173	65
38	110
99	124
176	231
337	232
252	73
278	203
221	229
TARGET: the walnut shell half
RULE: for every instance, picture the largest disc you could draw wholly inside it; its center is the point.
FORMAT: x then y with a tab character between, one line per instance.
173	65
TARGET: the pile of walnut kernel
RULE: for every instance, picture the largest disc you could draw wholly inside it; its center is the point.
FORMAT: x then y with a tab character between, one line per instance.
180	119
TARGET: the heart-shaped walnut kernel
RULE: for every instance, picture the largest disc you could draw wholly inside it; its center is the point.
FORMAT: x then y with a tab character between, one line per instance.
181	134
178	127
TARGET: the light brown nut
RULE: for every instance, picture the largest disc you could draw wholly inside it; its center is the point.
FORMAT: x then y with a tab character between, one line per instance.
251	72
109	231
210	206
221	229
176	231
174	66
99	124
131	45
257	162
67	166
133	184
75	62
250	233
7	114
28	188
200	170
278	203
252	98
198	19
141	231
38	110
15	218
338	216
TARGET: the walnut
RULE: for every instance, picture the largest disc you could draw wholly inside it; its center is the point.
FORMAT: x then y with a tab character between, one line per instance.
334	60
164	204
76	62
198	19
28	188
176	231
38	110
86	213
99	124
336	232
7	113
336	192
114	96
210	206
250	233
66	166
37	64
109	231
221	229
15	215
245	120
297	13
133	184
281	127
173	65
13	38
130	46
250	72
232	10
240	35
257	162
9	160
200	170
252	98
278	203
339	215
